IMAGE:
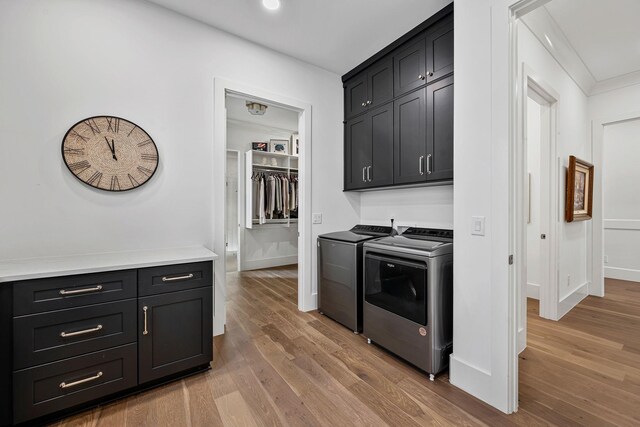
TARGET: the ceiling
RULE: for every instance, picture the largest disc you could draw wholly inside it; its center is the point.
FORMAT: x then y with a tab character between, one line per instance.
336	35
275	117
604	34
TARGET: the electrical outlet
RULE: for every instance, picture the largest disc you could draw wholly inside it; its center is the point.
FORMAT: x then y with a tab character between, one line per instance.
606	259
317	218
477	225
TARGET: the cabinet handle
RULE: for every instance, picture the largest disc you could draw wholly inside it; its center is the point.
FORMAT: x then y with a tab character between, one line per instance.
144	309
171	279
429	73
428	164
369	102
369	173
364	179
82	332
421	77
420	165
64	385
364	104
81	291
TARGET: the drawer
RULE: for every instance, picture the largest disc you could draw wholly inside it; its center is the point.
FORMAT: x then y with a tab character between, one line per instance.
47	337
61	385
36	296
171	278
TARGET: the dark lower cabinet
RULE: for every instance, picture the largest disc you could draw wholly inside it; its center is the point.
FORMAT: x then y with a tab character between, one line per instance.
440	130
75	341
176	332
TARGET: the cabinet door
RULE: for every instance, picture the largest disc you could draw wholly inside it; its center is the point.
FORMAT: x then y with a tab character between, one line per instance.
380	82
357	152
409	141
440	50
175	332
409	67
440	130
381	166
356	95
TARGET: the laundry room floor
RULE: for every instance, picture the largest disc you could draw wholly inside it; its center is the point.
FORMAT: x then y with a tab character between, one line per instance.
278	366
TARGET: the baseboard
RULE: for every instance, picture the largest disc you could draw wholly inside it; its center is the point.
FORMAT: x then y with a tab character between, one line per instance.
567	303
474	381
268	262
622	274
533	291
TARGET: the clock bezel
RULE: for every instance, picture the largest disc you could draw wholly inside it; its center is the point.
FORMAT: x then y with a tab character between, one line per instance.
114	117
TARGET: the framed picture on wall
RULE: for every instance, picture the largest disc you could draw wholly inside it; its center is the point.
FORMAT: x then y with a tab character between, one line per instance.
280	146
579	201
260	146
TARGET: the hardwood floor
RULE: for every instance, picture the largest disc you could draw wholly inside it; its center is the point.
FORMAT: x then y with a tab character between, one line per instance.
278	366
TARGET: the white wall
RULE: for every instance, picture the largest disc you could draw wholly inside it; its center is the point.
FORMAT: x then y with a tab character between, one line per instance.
63	60
621	200
534	266
416	207
266	245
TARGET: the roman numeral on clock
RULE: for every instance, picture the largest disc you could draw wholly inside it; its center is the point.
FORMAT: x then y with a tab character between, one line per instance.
145	171
79	167
134	183
150	157
115	185
77	136
74	151
113	124
143	143
93	126
95	179
132	129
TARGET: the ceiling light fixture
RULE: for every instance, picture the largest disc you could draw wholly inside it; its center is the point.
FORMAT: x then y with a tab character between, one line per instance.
271	4
256	109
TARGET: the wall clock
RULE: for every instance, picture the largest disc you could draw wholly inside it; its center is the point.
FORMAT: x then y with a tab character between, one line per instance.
110	153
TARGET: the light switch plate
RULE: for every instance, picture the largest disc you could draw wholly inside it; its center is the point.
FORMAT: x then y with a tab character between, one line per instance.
317	218
477	225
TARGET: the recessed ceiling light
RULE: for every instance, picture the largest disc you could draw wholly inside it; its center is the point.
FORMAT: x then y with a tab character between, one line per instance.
271	4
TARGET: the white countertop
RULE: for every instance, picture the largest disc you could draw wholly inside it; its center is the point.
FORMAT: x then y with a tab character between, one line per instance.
37	268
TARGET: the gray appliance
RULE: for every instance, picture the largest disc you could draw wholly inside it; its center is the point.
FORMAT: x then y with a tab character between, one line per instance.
408	296
340	273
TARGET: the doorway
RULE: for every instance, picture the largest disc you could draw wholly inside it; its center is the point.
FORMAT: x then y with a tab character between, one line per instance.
224	90
232	240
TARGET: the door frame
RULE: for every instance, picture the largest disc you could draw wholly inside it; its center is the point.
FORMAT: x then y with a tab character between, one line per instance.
240	208
306	299
597	286
534	87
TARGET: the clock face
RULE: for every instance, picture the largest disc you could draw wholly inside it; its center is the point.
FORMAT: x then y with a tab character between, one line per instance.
110	153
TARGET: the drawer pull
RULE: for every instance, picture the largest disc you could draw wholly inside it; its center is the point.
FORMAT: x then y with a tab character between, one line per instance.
81	291
84	331
82	381
171	279
145	308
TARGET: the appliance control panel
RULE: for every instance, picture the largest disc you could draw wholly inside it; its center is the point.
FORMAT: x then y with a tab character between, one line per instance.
373	230
428	233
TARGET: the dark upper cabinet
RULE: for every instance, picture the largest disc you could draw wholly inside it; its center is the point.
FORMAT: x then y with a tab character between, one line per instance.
357	153
380	171
440	130
356	95
399	111
369	149
175	332
439	52
409	142
409	66
369	89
